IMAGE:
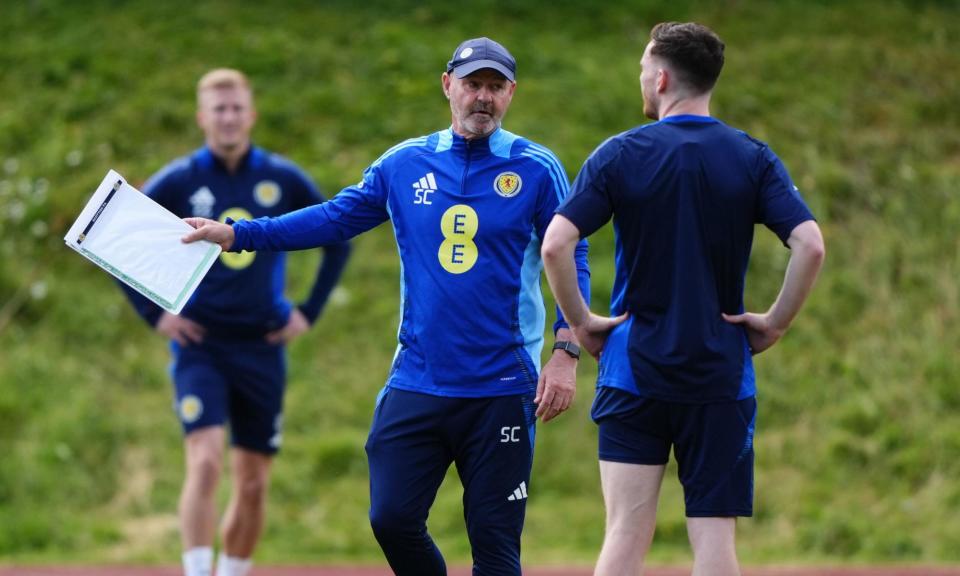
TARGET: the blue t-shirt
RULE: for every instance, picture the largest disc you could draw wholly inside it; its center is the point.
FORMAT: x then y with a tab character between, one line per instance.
684	194
468	217
242	296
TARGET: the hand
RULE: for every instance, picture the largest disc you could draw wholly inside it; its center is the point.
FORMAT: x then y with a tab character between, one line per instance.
557	386
296	325
183	330
761	333
206	229
593	333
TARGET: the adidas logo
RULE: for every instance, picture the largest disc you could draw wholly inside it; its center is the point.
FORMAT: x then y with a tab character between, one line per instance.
519	493
423	188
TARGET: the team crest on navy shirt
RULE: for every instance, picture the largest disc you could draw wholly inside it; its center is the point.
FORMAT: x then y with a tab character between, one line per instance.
202	202
267	193
508	184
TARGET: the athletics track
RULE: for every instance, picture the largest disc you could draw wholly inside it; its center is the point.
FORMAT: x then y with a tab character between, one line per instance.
462	571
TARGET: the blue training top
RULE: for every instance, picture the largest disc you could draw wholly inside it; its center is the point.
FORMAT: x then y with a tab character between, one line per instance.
468	217
684	194
242	295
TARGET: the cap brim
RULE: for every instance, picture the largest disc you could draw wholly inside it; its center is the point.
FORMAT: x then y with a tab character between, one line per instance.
471	67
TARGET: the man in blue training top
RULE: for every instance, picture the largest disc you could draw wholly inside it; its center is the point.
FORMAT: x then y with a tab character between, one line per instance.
676	368
469	207
228	343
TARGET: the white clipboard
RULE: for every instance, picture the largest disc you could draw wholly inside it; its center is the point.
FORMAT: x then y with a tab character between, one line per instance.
137	240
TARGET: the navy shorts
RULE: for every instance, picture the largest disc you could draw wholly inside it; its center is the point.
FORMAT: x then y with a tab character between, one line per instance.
240	381
413	440
713	445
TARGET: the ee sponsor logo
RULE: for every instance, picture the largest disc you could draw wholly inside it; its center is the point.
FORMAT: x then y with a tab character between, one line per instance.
458	252
236	260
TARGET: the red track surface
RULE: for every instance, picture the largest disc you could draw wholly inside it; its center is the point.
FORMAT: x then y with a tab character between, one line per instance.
461	571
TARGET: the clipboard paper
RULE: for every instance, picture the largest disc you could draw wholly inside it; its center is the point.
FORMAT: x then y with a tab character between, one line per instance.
137	241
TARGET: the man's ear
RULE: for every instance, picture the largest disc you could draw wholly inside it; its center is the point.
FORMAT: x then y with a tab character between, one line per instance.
663	80
445	83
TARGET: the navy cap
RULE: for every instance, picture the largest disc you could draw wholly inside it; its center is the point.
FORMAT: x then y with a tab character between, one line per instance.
477	53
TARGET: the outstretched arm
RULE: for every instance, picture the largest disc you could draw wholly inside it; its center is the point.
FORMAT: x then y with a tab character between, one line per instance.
353	211
806	259
558	247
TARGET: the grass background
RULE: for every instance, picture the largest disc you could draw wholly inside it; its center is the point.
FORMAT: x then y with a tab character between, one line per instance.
858	449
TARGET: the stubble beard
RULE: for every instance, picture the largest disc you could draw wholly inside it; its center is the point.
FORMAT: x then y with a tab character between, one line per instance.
480	128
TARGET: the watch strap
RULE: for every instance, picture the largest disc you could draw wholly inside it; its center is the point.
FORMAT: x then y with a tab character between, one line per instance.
570	348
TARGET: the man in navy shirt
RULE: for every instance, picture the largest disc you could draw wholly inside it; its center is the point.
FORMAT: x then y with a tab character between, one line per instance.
469	206
676	369
228	343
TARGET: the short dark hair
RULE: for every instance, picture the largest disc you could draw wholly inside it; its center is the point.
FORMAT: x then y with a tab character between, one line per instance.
693	50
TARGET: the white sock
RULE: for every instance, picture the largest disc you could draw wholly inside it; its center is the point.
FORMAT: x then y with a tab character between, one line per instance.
198	561
232	566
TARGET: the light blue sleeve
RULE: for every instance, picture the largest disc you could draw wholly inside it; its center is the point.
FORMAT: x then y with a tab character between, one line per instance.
554	188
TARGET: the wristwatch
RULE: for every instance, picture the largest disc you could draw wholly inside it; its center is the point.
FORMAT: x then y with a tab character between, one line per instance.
570	348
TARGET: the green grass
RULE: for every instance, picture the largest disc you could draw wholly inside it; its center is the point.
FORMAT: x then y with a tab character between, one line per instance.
858	447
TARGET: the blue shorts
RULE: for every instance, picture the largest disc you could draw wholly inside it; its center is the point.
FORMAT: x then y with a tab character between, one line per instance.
240	381
713	445
413	440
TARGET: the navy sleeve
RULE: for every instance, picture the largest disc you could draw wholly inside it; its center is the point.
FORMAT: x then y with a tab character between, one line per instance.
306	192
353	211
780	207
590	204
335	256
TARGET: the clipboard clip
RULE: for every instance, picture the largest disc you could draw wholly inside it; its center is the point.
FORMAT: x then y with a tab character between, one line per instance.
103	205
